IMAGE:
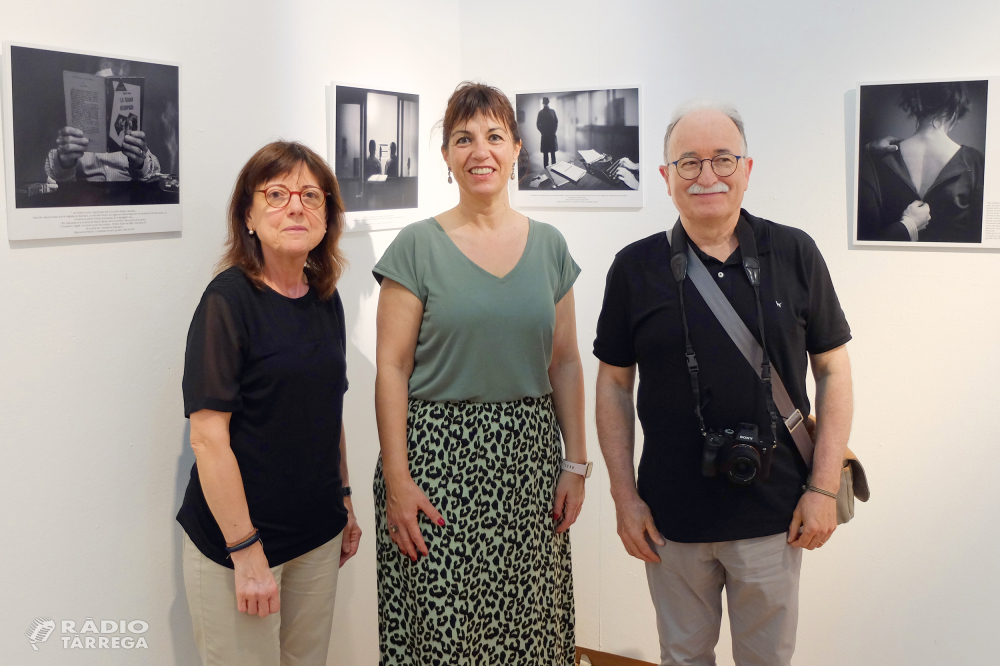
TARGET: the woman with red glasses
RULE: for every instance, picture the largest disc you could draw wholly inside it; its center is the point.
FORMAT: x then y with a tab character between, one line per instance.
267	514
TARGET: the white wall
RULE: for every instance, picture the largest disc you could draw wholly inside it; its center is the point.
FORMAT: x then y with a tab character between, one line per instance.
91	331
913	580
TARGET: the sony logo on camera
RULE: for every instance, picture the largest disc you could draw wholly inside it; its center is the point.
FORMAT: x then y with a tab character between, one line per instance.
741	456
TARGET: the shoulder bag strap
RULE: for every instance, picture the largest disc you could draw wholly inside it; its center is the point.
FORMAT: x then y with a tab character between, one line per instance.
750	348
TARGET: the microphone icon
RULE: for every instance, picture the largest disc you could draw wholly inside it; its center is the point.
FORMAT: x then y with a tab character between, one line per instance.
39	631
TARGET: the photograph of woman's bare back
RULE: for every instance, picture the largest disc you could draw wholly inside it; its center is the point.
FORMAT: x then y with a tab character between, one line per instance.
921	162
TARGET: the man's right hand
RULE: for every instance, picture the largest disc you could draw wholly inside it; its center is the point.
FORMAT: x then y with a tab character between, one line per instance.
256	590
70	146
884	146
634	522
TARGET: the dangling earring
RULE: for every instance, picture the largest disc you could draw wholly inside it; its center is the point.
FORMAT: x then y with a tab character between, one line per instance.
513	170
251	232
449	175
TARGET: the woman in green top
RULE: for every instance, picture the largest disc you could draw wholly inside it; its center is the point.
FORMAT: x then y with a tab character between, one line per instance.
478	373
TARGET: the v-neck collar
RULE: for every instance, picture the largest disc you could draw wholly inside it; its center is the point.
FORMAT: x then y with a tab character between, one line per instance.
956	166
508	274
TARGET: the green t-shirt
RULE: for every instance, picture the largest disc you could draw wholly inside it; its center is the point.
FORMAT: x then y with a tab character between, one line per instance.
482	338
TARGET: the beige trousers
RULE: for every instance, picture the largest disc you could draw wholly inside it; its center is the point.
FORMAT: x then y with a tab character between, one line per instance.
298	635
761	578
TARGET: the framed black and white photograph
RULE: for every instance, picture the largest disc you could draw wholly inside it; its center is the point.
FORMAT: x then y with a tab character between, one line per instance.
925	176
374	145
580	148
91	143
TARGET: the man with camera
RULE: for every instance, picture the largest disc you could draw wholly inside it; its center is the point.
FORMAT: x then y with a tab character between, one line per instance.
724	498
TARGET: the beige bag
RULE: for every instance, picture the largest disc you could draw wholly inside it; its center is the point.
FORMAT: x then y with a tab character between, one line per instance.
853	483
853	480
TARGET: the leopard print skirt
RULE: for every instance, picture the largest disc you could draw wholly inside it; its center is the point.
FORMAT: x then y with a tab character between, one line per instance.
497	587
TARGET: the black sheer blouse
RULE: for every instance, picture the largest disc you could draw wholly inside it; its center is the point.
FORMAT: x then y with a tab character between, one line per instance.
279	366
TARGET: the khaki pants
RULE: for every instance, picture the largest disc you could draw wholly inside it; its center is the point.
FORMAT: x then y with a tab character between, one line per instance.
761	578
298	635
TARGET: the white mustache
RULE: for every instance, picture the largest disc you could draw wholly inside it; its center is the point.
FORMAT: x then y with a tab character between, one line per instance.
719	187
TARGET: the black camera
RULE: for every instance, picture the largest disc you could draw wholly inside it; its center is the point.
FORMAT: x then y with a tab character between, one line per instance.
739	455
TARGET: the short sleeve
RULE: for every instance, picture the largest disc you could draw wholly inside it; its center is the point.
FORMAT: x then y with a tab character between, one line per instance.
213	360
614	344
338	308
399	263
569	271
826	325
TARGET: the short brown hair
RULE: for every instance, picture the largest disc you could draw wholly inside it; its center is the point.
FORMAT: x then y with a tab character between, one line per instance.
471	98
325	263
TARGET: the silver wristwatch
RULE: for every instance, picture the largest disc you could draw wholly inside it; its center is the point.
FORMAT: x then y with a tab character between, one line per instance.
583	469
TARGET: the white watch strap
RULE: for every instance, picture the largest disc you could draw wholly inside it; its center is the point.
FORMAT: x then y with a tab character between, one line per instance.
583	469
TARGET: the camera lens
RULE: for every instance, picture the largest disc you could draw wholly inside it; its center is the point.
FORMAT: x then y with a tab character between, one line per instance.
741	464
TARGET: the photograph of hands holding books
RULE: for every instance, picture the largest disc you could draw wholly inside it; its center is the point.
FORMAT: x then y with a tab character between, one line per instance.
92	130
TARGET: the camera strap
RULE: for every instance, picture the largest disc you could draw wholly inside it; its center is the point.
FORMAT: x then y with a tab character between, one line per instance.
684	262
679	266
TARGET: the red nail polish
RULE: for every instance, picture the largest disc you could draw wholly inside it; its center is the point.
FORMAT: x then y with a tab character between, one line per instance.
441	522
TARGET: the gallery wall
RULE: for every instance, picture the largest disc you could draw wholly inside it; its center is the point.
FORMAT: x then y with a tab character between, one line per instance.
92	331
912	579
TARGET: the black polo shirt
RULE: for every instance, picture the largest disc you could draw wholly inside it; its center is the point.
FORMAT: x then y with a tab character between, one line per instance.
640	323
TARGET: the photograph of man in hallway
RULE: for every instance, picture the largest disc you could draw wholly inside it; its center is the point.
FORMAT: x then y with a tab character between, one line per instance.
580	140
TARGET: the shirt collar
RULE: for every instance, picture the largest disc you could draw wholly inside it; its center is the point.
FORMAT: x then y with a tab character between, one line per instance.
760	234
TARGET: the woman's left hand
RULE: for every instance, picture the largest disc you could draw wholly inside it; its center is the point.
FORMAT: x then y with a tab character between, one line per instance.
569	500
352	534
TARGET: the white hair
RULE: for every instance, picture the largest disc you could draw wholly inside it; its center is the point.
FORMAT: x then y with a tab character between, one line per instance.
697	105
